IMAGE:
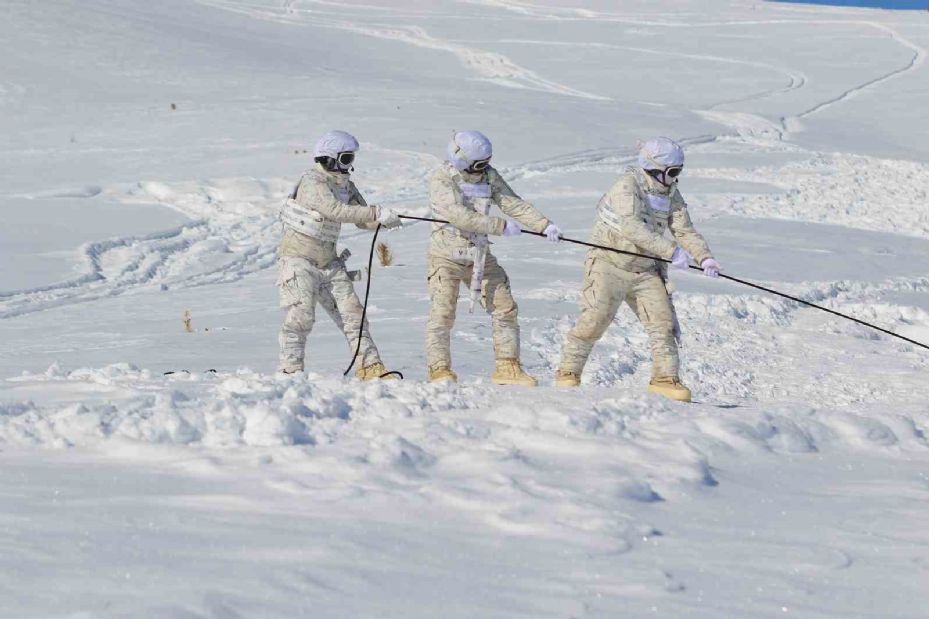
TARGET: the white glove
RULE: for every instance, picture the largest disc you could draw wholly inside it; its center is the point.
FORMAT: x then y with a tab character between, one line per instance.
710	267
553	233
680	259
388	217
512	228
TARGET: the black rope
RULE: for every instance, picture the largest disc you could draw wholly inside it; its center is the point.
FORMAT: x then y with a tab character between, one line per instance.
364	311
722	275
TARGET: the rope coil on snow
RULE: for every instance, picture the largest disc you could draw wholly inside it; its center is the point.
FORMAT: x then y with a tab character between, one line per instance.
364	311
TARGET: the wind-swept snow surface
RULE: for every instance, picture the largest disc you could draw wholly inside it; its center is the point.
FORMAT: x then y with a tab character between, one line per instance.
149	147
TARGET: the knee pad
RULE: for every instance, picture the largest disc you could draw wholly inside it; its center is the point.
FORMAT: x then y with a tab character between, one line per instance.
300	319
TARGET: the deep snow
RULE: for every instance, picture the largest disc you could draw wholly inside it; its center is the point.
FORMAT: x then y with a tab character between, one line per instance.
796	486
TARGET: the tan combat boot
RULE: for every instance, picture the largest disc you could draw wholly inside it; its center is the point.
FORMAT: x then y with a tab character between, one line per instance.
510	372
373	372
670	387
442	374
563	378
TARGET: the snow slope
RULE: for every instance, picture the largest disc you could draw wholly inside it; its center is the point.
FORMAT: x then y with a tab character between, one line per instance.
797	485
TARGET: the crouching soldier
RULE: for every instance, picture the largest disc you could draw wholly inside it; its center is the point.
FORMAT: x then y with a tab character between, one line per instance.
633	216
462	192
310	271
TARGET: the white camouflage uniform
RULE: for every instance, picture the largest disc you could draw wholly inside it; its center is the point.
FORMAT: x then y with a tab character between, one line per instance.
462	198
311	272
633	216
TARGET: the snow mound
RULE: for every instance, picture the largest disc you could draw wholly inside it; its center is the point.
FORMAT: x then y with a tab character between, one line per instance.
206	409
415	426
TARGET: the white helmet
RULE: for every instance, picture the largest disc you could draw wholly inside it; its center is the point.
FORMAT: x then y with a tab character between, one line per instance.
468	148
336	150
663	158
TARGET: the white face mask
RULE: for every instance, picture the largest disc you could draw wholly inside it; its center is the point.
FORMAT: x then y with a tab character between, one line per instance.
659	203
475	190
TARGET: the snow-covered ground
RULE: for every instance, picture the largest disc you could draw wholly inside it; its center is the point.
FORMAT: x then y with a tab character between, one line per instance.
797	486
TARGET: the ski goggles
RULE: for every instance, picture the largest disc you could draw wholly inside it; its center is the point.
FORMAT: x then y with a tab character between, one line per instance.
346	159
668	175
480	166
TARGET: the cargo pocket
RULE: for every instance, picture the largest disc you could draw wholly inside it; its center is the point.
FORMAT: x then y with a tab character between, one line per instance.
589	294
292	284
434	283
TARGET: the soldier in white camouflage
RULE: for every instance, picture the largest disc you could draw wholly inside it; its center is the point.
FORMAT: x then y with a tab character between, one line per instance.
634	216
462	191
310	270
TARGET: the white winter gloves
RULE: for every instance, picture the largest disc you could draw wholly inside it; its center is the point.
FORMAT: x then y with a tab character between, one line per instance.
680	259
710	267
388	217
552	232
512	228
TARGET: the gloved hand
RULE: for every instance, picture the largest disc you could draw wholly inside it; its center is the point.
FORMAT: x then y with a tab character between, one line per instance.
388	217
680	259
512	228
553	233
710	267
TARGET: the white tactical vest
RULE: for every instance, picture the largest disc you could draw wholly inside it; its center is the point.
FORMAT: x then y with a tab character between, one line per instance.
657	206
312	223
476	196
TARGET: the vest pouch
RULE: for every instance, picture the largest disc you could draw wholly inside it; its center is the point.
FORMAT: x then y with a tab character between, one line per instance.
308	222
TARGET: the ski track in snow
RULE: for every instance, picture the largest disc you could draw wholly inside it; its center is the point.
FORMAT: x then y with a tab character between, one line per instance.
605	159
489	66
795	79
227	239
796	82
918	60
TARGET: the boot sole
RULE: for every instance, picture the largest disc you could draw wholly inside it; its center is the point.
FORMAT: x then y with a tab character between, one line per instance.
520	383
684	398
